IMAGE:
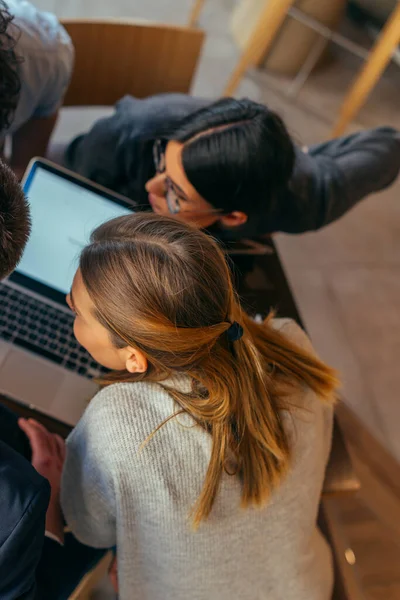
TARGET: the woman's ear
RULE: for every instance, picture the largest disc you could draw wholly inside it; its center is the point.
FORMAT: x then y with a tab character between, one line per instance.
135	361
233	219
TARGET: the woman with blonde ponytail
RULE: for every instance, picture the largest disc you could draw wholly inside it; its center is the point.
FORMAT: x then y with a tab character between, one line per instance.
202	458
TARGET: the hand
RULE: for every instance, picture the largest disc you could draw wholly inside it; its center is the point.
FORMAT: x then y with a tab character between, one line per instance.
48	456
113	574
48	452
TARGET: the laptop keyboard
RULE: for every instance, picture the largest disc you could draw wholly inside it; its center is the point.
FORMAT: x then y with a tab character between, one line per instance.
42	329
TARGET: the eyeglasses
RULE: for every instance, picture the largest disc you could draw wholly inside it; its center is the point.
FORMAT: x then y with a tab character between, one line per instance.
171	196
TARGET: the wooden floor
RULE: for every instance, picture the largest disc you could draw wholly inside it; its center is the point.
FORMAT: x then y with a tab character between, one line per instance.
371	518
377	552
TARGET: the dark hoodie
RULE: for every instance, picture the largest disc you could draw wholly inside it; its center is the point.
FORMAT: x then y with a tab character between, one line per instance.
327	180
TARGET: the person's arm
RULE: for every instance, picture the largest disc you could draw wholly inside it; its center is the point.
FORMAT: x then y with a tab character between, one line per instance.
24	501
62	567
48	455
87	489
112	152
27	557
45	73
349	169
63	561
99	154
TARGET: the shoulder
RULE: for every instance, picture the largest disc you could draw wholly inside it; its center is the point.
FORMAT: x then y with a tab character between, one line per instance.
158	112
317	416
47	58
369	139
292	331
37	31
123	410
121	398
173	104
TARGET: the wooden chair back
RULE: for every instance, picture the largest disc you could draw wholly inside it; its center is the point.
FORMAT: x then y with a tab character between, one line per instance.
114	58
340	481
85	588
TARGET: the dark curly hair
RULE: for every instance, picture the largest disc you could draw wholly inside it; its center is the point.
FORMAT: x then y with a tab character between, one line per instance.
10	84
15	222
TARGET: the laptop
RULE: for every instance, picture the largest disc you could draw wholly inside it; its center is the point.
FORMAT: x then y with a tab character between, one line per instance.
41	363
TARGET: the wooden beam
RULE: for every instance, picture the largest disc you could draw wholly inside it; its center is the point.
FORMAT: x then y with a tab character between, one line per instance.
264	34
378	59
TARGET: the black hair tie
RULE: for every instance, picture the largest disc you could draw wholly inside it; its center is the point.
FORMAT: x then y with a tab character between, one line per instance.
234	332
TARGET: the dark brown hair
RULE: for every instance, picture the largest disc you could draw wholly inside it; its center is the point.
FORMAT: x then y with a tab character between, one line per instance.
10	84
165	288
15	224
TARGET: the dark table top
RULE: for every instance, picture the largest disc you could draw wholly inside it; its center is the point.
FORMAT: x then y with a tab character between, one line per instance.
262	285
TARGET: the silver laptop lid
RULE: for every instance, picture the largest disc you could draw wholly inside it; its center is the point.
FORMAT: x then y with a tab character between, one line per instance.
65	208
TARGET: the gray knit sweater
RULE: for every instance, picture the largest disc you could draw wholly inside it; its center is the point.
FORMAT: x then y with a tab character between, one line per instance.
115	493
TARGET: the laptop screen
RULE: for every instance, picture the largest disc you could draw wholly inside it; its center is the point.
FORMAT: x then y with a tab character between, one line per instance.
64	213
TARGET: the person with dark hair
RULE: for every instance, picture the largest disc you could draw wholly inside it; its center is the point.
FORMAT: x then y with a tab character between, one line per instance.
9	81
36	562
36	60
15	224
231	165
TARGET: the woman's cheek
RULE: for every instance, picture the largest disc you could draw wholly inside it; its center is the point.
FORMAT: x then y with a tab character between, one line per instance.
78	331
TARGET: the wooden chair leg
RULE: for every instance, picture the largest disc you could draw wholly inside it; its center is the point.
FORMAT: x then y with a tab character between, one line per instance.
378	59
347	581
260	41
195	13
85	587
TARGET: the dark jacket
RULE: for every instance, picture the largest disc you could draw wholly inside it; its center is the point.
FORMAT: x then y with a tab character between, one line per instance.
24	497
32	566
327	181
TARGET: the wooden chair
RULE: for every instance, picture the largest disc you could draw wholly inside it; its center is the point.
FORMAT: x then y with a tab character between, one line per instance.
85	587
266	31
340	477
261	41
347	584
195	12
114	58
340	480
379	57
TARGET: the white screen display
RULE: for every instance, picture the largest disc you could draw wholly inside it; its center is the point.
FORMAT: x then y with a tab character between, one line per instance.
63	217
